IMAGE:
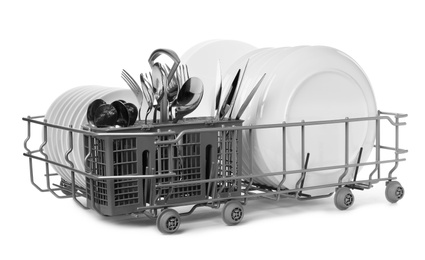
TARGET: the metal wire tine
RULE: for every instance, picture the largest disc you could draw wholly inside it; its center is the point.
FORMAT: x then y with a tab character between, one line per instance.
150	76
148	83
187	71
184	74
128	83
129	80
167	68
179	76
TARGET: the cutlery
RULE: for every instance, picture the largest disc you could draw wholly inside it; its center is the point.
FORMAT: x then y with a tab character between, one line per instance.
218	87
134	87
158	78
228	99
250	96
148	94
232	104
189	97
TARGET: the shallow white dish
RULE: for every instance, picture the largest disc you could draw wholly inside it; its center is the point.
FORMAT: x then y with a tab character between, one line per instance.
315	83
253	57
80	103
54	116
70	109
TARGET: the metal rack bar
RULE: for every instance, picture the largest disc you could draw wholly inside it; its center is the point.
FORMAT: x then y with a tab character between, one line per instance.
225	179
250	196
269	126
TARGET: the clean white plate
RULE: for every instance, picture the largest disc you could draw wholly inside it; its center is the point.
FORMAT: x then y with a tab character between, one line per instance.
53	116
80	114
80	102
58	113
260	62
268	66
203	64
315	83
188	54
60	144
228	78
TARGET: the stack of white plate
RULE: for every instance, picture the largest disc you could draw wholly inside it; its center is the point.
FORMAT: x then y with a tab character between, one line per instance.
70	109
302	83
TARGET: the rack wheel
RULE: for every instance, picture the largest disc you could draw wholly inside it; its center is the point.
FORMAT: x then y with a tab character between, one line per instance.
343	198
168	221
394	191
232	213
66	184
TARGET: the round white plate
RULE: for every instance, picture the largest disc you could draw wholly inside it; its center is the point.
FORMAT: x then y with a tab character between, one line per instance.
315	83
53	133
228	78
269	65
81	102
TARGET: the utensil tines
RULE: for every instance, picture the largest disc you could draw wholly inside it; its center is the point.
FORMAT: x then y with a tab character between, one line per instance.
137	90
248	99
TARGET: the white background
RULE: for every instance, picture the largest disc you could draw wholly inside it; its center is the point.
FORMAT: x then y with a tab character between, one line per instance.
49	47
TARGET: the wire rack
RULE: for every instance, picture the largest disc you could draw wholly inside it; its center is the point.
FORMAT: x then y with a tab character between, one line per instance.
143	170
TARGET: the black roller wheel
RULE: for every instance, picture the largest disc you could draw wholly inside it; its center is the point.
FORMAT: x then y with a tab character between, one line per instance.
66	187
232	213
168	221
343	198
394	191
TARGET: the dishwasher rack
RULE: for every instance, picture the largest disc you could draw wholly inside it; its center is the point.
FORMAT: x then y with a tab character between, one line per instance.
154	170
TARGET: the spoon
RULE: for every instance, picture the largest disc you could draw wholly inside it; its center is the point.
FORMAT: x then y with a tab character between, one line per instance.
190	95
158	82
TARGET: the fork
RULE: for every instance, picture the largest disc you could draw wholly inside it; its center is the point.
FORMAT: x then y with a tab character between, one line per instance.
134	87
147	93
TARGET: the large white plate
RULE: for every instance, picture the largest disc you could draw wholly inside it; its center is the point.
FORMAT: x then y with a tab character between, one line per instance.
260	62
53	116
188	54
63	112
203	64
315	83
268	66
79	103
253	57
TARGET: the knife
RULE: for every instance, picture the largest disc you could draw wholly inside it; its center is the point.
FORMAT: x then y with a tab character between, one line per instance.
250	96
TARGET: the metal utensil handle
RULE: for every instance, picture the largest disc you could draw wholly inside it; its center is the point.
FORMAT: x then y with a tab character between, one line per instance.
169	53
